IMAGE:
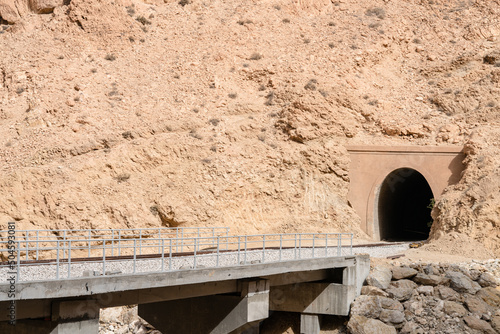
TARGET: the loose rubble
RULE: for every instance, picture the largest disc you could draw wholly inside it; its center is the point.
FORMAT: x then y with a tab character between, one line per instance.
429	298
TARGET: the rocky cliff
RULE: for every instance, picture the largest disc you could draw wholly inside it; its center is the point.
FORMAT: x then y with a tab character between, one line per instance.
161	113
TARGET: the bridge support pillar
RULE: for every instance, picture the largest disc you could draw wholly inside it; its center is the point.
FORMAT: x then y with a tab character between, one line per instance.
313	298
216	314
68	317
309	324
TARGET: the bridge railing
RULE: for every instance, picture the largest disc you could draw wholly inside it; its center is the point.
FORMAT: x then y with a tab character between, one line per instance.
72	258
37	241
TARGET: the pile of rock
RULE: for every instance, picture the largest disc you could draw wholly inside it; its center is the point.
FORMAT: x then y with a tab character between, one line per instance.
123	320
428	298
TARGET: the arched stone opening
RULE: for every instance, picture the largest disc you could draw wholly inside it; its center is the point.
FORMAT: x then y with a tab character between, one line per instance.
403	211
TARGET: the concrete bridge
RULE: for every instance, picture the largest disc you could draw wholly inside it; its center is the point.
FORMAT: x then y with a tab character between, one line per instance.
308	276
392	187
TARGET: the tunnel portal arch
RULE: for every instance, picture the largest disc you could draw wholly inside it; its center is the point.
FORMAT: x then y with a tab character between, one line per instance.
403	210
374	168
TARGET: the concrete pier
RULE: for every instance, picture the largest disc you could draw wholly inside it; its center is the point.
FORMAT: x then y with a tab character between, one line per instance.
217	314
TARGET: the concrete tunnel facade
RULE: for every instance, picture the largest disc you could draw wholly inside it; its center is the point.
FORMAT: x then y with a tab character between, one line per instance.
391	187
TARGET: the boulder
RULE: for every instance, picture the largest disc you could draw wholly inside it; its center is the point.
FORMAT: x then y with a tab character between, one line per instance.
462	283
373	291
425	290
367	306
479	324
446	293
433	280
362	325
404	283
400	294
477	306
12	10
372	306
491	296
432	269
44	6
454	309
487	279
403	272
111	314
495	322
119	315
392	316
380	277
391	304
411	328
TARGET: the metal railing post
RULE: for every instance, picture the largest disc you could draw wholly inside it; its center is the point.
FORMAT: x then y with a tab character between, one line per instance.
300	246
140	241
135	253
57	260
351	245
69	259
162	255
213	236
103	257
218	246
326	245
194	255
239	246
313	245
245	261
112	240
295	247
27	244
119	243
170	256
159	238
182	239
176	240
37	246
281	246
339	245
64	239
263	248
89	243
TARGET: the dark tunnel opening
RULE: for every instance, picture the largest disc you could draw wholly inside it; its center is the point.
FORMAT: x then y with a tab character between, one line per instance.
403	206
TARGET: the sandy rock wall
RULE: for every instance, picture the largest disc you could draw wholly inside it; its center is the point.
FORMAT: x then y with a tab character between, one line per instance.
132	113
473	206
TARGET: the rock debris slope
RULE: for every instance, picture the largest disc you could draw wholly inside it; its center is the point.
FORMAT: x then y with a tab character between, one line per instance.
162	113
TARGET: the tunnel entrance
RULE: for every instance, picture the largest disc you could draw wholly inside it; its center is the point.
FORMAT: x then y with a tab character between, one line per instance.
403	206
